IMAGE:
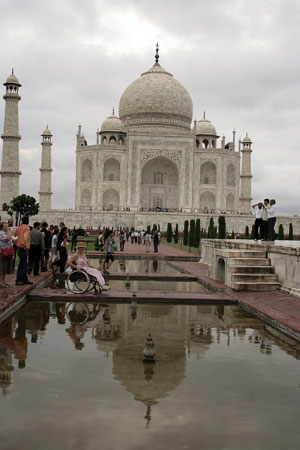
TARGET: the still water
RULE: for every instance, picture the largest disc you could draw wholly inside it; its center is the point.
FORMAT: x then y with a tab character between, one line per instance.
156	285
72	377
137	265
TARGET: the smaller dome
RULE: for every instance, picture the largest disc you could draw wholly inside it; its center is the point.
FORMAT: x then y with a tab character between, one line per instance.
113	123
12	79
247	139
205	126
47	132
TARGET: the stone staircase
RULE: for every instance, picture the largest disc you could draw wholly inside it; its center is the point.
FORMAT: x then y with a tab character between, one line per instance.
251	270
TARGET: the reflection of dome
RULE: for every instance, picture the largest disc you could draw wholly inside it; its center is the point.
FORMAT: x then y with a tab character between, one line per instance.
156	98
113	123
205	126
12	79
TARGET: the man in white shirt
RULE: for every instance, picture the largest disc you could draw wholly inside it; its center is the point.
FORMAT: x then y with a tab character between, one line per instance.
258	225
272	214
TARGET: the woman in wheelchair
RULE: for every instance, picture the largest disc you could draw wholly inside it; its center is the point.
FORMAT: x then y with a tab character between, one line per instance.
78	261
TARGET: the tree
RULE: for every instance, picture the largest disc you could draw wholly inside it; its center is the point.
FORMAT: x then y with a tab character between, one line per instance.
253	232
22	205
176	234
154	228
211	229
186	232
169	233
192	233
291	232
97	247
280	233
232	234
197	238
148	229
247	232
222	227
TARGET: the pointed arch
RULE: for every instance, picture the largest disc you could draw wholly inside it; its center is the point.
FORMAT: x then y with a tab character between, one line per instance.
208	173
207	201
111	170
231	177
230	202
86	197
86	170
111	200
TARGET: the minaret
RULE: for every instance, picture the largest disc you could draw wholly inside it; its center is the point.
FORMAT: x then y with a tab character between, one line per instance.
45	184
245	192
10	171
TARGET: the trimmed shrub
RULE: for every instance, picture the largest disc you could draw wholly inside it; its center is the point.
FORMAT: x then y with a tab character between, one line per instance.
197	238
169	233
247	232
232	234
192	233
176	234
211	229
280	233
97	244
291	232
222	227
186	232
154	228
148	229
80	232
253	232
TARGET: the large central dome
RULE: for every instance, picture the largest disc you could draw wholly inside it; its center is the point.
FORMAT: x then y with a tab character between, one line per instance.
156	98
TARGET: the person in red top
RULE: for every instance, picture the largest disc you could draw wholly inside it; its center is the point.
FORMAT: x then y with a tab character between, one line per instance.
22	242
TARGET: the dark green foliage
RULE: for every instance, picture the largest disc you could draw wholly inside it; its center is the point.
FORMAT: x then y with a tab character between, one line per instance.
186	232
80	232
291	232
192	233
222	227
158	227
232	234
247	232
211	229
97	244
197	234
148	229
169	233
280	233
253	232
216	232
22	205
154	228
176	234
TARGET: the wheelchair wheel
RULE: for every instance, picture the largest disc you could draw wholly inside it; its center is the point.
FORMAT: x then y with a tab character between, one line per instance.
77	313
78	282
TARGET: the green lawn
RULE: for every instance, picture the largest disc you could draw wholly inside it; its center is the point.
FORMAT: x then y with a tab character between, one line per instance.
193	250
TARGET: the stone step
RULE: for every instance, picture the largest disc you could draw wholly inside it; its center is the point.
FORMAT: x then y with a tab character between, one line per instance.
252	269
230	253
249	261
256	286
245	277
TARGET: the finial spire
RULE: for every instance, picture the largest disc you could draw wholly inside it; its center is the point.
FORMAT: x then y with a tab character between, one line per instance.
113	111
12	71
156	54
204	114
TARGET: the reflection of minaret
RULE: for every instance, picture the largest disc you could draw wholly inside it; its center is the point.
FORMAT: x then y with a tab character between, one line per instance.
10	172
45	180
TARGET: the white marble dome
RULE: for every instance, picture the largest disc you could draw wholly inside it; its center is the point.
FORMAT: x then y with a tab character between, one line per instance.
113	124
12	79
205	126
47	132
156	97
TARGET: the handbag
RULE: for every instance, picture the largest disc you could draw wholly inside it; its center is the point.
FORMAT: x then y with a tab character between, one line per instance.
7	253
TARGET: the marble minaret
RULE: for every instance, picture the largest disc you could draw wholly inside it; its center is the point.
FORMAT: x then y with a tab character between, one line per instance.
245	192
10	172
45	183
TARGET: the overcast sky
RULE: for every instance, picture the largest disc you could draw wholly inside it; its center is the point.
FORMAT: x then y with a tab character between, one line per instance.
238	59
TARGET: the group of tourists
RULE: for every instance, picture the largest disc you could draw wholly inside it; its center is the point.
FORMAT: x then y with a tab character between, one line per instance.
265	219
41	248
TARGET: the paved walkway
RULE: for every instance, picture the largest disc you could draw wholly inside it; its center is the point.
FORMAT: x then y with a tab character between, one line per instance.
276	307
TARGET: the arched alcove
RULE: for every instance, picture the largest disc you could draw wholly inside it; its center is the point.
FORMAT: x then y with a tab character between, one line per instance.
221	270
230	202
111	171
112	140
159	184
208	173
207	201
86	197
111	200
231	178
86	170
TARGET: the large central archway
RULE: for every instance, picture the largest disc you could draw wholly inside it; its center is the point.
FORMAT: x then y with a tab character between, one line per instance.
159	184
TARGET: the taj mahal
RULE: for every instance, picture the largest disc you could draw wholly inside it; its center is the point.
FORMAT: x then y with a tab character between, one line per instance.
150	164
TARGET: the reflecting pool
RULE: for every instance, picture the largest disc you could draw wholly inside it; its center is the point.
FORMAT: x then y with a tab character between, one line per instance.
72	377
137	265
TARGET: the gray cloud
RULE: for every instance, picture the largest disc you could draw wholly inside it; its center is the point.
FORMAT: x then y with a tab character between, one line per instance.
238	59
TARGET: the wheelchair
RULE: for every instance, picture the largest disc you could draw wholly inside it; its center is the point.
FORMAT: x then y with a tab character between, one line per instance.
81	282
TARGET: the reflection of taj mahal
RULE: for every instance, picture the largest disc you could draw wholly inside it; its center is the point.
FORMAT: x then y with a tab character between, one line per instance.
150	158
